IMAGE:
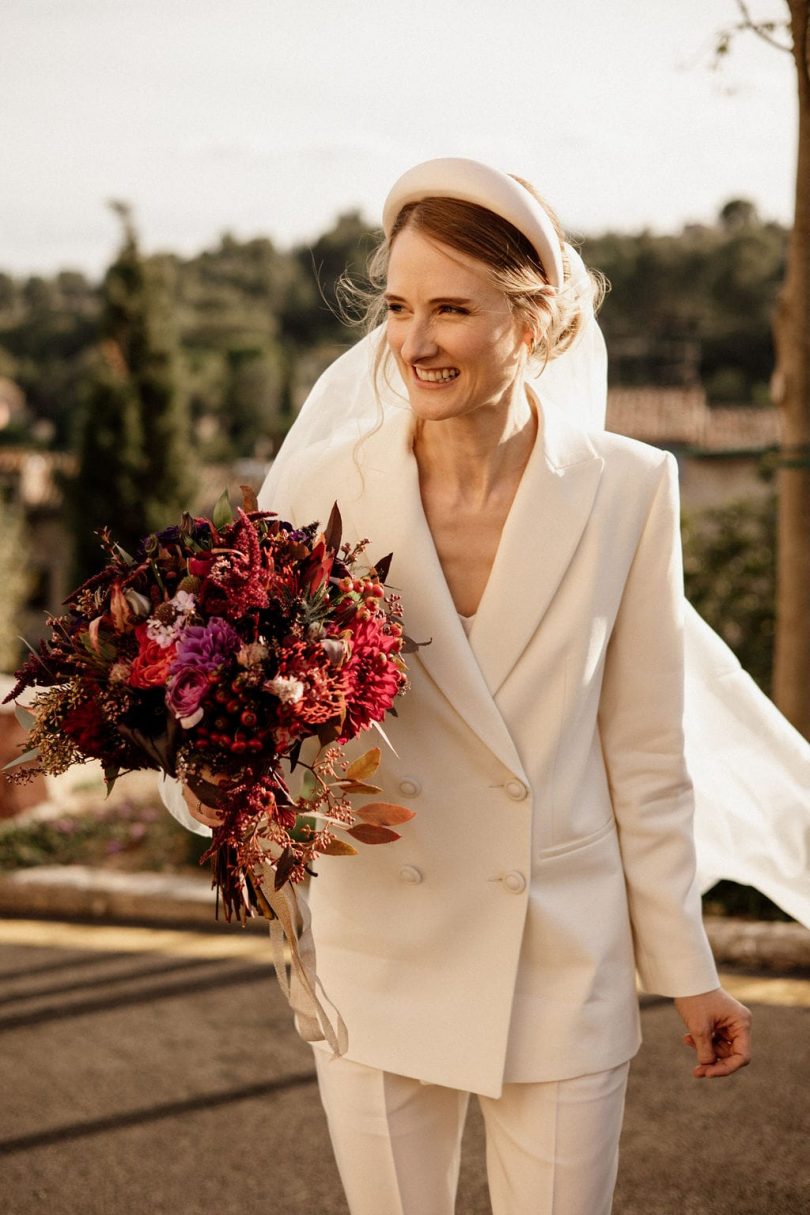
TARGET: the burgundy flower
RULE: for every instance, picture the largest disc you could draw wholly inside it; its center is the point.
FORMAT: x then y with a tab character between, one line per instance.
85	725
242	573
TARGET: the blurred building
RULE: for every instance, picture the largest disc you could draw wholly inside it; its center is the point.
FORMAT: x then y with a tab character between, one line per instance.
723	452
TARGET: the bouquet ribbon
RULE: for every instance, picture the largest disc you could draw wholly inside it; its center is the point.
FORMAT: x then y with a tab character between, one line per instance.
313	1020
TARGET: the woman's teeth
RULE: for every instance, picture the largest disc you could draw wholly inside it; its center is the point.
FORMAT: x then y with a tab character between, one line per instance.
434	377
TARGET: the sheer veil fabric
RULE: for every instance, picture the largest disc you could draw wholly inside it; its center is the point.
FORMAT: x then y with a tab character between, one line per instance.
750	767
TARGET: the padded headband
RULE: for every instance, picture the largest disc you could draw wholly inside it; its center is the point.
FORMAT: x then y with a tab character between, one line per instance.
473	182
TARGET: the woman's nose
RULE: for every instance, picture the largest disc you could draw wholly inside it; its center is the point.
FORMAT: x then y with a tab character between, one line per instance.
418	343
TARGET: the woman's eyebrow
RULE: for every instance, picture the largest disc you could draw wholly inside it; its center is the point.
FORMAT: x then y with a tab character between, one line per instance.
440	299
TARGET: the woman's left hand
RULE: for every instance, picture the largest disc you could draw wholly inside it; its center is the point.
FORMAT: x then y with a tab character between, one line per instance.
719	1031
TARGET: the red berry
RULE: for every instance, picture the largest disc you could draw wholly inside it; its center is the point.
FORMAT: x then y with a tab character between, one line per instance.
248	719
232	706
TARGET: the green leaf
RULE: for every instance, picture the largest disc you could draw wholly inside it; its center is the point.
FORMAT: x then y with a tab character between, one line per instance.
222	513
111	776
22	759
307	786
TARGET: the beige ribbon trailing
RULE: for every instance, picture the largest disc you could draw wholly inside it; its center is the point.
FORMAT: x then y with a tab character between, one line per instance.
313	1022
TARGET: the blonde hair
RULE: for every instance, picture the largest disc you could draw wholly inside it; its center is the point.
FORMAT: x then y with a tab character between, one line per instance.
554	317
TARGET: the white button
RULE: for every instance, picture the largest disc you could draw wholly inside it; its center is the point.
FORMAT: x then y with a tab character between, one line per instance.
516	790
410	874
410	787
514	882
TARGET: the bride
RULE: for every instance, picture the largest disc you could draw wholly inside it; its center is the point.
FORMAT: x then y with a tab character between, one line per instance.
494	948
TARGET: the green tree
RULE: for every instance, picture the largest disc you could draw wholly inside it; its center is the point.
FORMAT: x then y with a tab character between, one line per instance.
132	435
15	584
730	575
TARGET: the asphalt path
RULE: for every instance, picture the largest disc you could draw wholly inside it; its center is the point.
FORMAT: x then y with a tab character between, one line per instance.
147	1072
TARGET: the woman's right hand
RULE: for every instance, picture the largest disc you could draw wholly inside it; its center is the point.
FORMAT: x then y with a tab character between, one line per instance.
209	816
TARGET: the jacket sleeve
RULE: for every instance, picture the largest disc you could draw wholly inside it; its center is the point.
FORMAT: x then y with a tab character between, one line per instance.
641	728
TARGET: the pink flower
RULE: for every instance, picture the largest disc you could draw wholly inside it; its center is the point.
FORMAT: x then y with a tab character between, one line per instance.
371	676
184	695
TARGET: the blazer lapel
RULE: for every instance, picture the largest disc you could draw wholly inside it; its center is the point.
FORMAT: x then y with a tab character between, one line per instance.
541	534
392	514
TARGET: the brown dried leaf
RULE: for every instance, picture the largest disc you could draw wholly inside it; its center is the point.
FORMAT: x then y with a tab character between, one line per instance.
249	500
339	848
385	814
369	833
284	866
334	530
382	567
365	766
93	631
358	786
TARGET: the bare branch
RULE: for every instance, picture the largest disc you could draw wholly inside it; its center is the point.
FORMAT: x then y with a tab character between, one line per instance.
763	29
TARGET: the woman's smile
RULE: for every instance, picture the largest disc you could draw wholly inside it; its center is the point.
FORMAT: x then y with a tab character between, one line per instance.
436	375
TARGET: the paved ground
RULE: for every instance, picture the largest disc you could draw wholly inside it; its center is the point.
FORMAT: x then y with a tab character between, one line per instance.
152	1072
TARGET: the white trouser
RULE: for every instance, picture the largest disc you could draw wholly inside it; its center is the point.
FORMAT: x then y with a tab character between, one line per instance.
552	1148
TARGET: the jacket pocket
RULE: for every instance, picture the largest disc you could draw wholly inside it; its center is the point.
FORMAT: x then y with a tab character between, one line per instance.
582	841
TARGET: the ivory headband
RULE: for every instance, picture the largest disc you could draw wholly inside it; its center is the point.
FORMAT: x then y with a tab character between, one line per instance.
473	182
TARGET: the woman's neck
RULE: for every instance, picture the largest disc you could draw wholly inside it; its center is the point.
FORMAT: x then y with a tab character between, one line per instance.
477	456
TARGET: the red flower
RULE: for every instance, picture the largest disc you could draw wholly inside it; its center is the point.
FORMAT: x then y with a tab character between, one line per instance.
371	677
85	725
151	666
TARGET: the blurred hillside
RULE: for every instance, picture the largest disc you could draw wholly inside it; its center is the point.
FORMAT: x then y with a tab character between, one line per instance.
255	324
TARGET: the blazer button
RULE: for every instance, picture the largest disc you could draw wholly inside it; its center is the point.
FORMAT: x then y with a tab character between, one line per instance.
410	874
516	790
410	787
514	882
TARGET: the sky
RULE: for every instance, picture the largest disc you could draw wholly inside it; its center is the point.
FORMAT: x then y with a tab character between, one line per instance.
270	117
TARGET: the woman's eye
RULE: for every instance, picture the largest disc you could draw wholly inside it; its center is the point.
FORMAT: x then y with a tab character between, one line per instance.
453	308
389	307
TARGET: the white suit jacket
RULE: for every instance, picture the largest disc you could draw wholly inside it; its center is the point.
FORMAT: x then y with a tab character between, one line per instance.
551	853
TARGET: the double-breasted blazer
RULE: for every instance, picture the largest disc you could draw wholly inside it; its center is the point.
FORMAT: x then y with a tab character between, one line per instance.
551	854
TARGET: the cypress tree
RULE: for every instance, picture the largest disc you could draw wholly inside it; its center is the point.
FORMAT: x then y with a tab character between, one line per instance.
132	434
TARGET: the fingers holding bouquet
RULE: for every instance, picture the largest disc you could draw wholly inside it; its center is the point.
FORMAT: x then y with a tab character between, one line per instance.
209	816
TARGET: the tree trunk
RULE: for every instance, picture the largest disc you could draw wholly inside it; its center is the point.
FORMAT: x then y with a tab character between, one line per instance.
792	334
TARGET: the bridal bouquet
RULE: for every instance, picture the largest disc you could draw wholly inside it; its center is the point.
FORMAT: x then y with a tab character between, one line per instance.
213	654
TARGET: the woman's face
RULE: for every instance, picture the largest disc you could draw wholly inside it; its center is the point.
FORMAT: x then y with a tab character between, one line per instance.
458	345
